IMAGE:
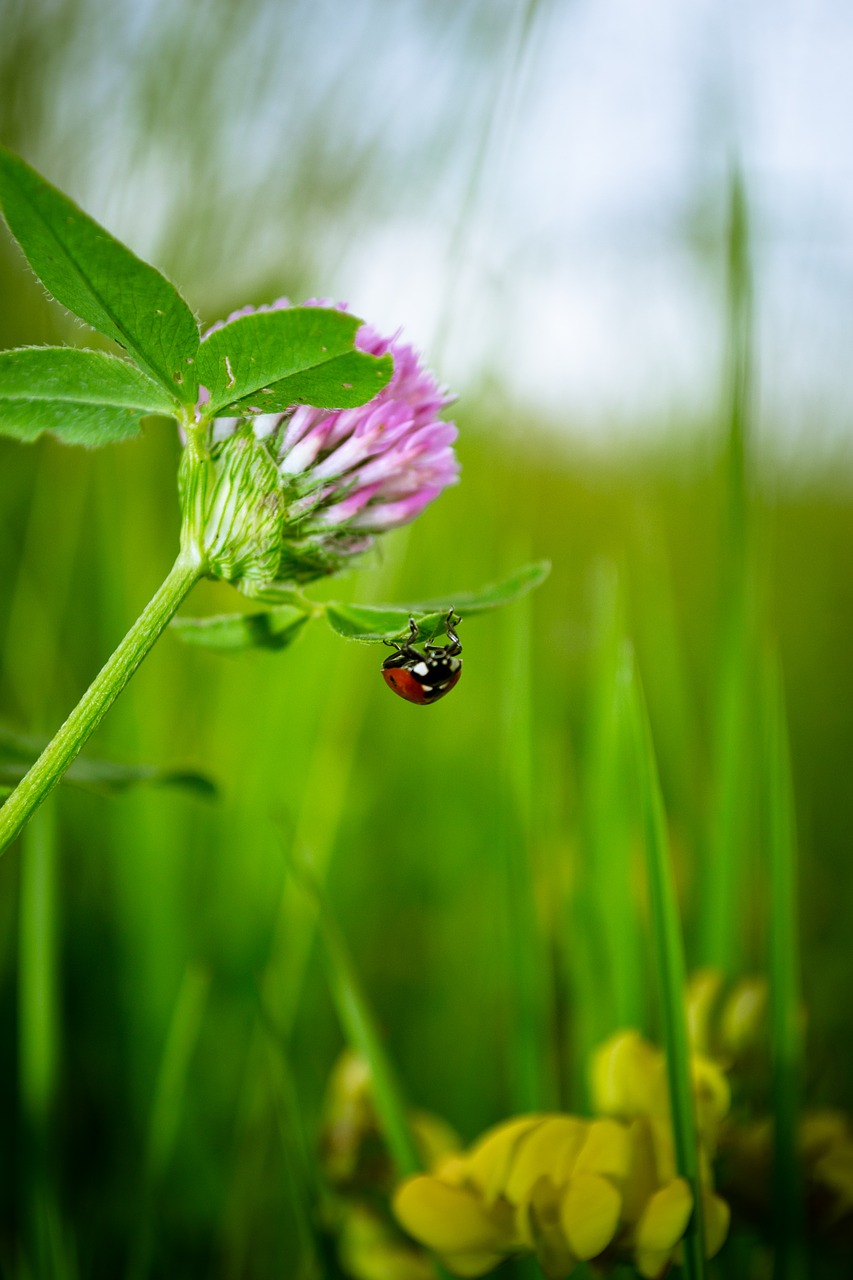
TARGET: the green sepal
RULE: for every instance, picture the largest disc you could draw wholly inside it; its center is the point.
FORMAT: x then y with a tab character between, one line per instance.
82	397
233	509
270	360
106	777
372	623
234	632
100	280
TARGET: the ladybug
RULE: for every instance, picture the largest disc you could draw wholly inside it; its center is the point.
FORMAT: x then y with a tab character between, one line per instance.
425	677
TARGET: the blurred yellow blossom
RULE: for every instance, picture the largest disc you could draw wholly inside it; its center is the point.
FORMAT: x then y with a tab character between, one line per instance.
371	1248
567	1189
825	1149
359	1172
727	1024
352	1150
628	1080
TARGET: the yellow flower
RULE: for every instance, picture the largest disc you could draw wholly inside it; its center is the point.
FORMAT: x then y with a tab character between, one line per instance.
825	1150
629	1081
371	1248
455	1222
728	1025
351	1146
567	1189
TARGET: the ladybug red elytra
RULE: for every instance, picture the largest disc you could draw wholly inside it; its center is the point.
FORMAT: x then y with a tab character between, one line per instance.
425	677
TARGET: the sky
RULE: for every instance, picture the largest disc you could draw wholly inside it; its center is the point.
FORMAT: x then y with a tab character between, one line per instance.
536	193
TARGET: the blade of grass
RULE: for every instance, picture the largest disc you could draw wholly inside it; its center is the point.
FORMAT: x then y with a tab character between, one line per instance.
526	956
359	1026
38	1044
307	1190
318	821
785	997
607	819
38	1001
668	955
656	612
727	862
315	833
34	642
360	1029
167	1105
607	964
495	130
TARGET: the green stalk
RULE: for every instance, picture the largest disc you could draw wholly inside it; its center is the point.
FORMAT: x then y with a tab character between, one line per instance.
528	975
37	979
785	1001
608	842
669	962
360	1029
301	1171
38	1019
98	698
167	1106
721	931
607	962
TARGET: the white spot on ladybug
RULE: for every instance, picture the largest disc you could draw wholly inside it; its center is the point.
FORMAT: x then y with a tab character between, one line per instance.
422	669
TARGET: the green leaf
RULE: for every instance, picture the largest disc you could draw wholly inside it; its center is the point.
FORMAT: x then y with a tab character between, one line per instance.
83	397
99	279
372	622
270	360
231	632
19	751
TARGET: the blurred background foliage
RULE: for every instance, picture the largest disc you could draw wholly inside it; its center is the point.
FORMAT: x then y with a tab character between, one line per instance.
370	151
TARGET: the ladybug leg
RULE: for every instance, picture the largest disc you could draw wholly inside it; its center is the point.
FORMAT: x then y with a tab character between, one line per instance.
455	646
405	646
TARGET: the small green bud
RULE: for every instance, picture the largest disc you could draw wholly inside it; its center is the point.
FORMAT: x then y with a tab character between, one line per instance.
233	509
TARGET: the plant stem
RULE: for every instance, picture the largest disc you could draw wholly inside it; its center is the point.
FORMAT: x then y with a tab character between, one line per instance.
98	698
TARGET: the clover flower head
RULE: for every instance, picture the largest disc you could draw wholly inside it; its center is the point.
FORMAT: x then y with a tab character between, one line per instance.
345	476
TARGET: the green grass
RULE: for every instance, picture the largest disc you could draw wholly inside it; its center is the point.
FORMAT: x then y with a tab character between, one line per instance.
404	809
169	1009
